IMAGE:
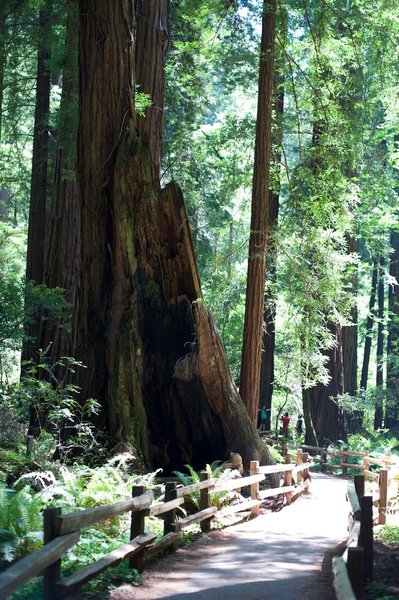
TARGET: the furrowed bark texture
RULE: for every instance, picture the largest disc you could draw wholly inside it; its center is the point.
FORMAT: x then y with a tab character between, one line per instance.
151	49
106	66
63	241
253	324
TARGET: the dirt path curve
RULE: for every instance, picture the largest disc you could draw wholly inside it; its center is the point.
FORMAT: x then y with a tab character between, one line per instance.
278	555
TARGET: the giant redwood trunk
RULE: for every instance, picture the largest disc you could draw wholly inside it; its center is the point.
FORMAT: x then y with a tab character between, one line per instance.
253	324
153	356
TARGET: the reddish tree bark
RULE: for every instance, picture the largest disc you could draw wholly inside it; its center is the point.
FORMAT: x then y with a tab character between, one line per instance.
269	333
151	49
253	324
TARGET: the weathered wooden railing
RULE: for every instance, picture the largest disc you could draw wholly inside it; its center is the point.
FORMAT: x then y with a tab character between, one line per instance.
355	566
323	452
62	532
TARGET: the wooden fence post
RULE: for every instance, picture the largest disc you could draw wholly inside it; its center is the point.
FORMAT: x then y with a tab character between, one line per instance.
284	447
137	528
383	501
288	480
254	470
305	472
366	535
205	502
299	461
355	568
324	460
344	459
366	461
387	460
53	573
169	517
359	485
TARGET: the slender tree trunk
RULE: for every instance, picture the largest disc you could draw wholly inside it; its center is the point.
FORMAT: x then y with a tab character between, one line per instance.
38	194
3	55
369	328
253	324
378	414
4	191
392	381
62	247
350	345
310	433
36	231
269	332
349	333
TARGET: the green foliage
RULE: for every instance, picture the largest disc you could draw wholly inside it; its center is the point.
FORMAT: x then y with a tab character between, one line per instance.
376	442
217	470
142	101
62	420
20	302
72	488
389	534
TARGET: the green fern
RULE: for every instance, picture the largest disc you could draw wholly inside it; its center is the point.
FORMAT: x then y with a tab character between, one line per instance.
20	523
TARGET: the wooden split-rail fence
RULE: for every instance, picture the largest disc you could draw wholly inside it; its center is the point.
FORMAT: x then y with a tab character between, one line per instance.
354	569
62	531
321	455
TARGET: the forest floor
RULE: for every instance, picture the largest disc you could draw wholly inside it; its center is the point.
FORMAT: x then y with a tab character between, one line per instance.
285	555
386	572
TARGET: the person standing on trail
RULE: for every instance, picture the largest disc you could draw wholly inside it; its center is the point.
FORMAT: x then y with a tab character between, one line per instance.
285	421
299	426
262	419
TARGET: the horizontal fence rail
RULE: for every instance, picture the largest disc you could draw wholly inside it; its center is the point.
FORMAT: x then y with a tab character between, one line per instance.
62	532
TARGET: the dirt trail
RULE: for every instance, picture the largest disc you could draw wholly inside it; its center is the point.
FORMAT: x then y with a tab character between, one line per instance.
278	555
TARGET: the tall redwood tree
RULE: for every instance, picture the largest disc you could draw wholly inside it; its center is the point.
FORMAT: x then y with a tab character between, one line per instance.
254	305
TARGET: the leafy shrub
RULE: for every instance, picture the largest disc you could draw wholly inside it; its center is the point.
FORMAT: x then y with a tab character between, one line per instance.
389	534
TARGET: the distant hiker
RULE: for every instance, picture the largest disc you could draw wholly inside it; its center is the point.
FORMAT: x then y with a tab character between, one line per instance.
262	419
299	426
285	421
